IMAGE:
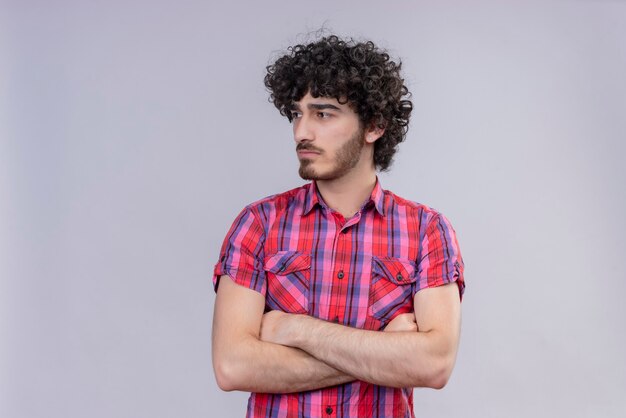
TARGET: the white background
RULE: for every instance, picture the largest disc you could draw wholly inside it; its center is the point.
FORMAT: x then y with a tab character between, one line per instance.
133	132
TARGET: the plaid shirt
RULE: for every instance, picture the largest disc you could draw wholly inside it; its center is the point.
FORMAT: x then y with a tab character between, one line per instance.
361	272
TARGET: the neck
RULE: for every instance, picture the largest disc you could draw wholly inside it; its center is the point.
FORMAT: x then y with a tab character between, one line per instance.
347	194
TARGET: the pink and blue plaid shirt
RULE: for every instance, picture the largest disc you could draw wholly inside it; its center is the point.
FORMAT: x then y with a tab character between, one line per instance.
361	272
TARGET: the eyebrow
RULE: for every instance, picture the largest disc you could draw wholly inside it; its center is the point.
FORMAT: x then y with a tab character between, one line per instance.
316	106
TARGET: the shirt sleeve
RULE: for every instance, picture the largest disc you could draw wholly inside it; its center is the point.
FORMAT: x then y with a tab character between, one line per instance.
241	257
440	259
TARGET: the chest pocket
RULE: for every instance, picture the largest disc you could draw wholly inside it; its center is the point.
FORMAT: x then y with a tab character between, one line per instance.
391	287
288	275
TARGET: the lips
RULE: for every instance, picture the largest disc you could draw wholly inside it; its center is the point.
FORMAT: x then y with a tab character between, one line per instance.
307	152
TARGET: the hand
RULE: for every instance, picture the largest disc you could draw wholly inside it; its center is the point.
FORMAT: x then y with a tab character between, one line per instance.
402	322
274	327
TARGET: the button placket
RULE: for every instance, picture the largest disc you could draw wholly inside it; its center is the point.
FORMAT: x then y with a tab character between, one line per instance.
338	282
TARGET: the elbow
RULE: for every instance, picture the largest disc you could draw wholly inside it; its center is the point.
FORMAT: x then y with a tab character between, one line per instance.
440	374
231	365
435	374
229	374
224	377
439	381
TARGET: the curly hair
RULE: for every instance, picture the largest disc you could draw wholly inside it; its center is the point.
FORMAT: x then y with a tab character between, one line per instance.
357	73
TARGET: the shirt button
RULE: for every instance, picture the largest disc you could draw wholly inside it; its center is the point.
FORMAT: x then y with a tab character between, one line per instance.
329	410
399	277
340	274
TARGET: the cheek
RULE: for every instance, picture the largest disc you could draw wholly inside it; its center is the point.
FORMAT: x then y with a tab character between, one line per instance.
340	134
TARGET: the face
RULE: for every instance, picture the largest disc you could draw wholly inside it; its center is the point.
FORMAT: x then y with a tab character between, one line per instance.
329	137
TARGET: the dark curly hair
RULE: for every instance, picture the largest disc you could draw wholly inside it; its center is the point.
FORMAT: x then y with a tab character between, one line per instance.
357	73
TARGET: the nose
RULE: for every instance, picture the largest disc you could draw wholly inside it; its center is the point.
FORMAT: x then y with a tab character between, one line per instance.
302	129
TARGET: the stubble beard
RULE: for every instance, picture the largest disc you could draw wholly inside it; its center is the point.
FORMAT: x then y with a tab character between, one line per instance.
346	159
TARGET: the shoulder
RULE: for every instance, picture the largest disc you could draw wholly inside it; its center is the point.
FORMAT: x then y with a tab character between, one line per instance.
267	207
399	206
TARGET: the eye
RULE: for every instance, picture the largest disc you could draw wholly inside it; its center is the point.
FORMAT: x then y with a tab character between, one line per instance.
323	115
295	114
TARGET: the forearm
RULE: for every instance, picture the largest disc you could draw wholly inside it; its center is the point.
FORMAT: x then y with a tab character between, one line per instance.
243	361
258	366
398	359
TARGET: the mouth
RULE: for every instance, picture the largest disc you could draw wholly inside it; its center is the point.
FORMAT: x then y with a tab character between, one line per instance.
307	153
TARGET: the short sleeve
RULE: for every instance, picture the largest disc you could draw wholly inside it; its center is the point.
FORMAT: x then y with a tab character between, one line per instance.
241	257
440	260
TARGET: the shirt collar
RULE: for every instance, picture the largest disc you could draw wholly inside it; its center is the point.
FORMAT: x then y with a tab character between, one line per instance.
313	198
378	198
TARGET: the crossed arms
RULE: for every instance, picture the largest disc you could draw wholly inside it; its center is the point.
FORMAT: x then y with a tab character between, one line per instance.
279	352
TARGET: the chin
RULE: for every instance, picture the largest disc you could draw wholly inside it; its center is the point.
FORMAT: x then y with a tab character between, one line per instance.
307	172
311	175
308	175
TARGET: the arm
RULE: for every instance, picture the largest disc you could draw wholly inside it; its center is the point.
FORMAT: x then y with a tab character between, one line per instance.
243	362
399	359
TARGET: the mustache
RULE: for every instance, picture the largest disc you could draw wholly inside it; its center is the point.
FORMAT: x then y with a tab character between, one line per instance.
307	147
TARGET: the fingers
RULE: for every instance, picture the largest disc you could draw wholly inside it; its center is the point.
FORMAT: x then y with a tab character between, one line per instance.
402	322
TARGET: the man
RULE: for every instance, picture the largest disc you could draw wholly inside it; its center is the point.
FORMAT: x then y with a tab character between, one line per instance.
338	297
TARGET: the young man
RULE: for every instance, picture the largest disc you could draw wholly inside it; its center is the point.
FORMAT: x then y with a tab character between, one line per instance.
338	297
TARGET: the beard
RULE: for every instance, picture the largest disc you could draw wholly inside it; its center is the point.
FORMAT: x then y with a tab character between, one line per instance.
346	158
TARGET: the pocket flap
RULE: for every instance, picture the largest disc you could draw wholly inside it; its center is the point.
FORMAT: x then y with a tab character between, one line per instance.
284	262
397	270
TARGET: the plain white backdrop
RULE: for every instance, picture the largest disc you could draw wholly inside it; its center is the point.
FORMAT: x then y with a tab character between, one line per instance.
132	133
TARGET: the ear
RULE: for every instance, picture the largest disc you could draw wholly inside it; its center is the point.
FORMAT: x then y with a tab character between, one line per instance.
373	132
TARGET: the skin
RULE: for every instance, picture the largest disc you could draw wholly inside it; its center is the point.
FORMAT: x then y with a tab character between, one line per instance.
397	359
324	128
242	360
279	352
